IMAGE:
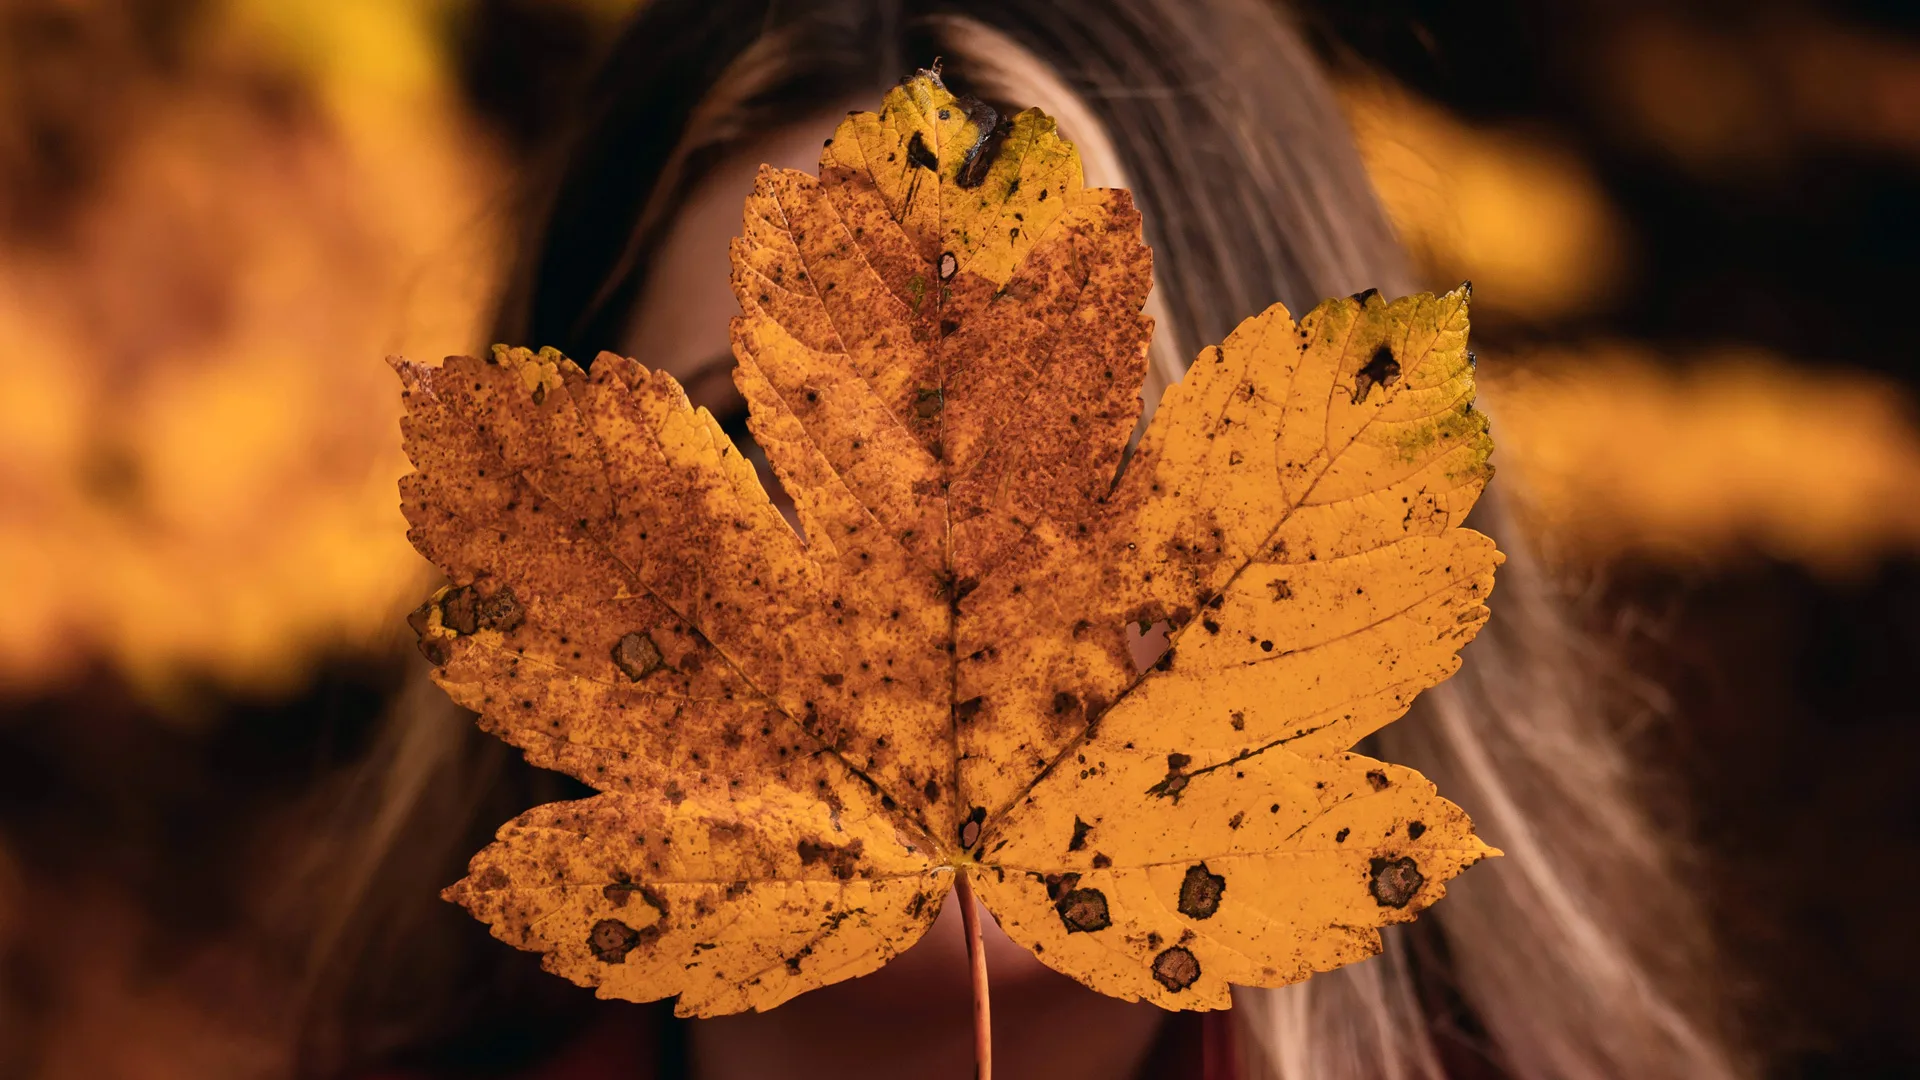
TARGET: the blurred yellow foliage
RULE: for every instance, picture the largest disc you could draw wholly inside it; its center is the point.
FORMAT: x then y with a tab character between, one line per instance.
1610	451
198	443
1513	211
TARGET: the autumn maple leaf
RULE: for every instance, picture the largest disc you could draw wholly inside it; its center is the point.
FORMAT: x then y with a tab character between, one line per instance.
802	739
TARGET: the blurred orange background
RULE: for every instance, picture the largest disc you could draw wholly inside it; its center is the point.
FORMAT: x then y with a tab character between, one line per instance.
1690	228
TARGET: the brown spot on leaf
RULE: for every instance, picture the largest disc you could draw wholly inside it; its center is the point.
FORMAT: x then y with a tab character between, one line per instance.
636	656
1378	780
1379	371
1416	829
1280	590
1096	708
1176	780
993	134
1059	885
1080	831
501	611
1101	862
459	610
1176	969
1200	892
658	903
918	154
1394	882
1083	911
841	859
611	940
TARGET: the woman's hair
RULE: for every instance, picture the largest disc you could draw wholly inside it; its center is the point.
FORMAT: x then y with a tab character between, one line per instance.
1578	955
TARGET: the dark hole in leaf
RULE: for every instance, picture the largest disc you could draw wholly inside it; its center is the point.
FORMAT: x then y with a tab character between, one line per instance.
1394	882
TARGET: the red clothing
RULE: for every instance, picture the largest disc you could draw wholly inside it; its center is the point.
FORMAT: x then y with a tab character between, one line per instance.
1191	1046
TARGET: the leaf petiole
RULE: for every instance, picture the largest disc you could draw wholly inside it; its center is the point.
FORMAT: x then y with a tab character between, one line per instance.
977	961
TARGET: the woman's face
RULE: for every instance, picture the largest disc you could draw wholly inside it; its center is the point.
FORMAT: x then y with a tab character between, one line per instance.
913	1016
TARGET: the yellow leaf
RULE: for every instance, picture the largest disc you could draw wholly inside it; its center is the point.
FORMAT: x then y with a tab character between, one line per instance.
802	739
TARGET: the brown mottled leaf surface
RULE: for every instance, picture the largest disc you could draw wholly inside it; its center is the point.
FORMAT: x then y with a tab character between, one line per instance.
800	737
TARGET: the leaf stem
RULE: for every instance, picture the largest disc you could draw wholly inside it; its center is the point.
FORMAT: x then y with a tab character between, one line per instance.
977	960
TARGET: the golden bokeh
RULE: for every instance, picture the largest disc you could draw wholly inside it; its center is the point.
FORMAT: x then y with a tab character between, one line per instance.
1512	210
199	442
1723	100
1612	450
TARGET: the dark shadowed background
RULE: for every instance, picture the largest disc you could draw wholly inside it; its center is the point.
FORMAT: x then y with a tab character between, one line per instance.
1691	228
